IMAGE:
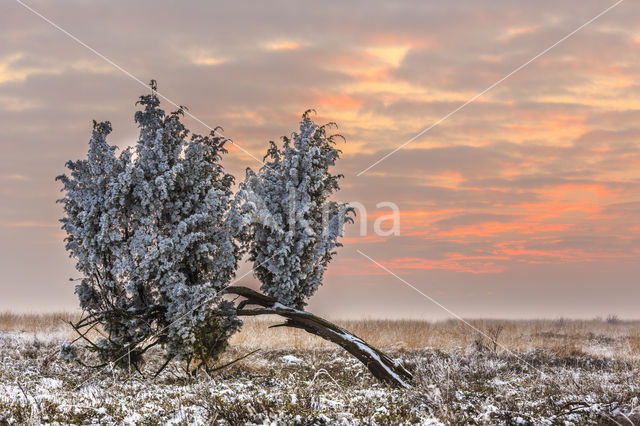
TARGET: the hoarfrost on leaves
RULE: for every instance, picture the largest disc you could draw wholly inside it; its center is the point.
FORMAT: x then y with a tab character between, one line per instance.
68	352
153	237
291	226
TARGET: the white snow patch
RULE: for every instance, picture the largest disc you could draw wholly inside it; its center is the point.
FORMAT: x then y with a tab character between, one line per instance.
291	359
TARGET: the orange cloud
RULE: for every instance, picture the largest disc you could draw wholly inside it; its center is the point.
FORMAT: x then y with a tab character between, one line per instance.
556	256
572	189
546	125
453	262
282	45
341	102
373	75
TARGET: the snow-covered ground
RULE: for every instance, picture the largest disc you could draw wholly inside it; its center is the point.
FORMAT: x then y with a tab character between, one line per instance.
320	386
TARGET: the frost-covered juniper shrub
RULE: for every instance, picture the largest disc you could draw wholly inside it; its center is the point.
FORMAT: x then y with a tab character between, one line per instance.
152	234
291	226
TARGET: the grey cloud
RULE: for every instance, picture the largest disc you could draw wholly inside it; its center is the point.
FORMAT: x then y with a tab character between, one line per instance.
629	209
410	194
466	160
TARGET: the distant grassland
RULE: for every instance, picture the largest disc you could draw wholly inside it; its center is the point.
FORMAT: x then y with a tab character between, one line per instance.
564	337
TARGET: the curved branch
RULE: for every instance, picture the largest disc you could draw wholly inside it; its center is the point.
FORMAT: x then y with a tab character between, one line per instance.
379	364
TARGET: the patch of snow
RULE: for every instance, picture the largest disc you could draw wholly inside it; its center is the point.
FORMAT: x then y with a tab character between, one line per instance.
291	359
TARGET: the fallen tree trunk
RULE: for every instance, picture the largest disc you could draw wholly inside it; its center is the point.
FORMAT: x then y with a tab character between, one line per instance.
380	365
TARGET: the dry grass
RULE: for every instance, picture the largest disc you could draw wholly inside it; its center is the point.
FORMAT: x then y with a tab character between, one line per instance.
37	323
597	337
564	337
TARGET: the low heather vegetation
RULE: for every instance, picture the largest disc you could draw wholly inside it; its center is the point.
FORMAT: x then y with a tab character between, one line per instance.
565	372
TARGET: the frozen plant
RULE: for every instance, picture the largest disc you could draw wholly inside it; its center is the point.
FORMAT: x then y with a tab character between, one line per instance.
68	352
152	236
291	226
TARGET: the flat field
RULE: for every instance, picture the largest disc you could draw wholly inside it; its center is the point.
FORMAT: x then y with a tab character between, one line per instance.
539	372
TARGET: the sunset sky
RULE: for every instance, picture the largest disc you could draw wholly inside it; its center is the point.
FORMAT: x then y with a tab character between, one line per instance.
524	203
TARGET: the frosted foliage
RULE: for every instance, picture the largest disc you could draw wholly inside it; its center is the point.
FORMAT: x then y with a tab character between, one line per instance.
292	227
151	233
